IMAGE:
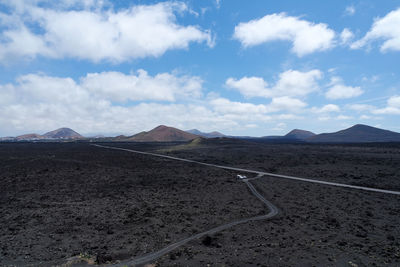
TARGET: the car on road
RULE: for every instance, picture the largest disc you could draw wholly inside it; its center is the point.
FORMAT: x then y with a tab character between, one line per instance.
239	176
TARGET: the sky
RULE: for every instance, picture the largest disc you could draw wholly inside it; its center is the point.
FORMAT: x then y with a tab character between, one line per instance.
265	68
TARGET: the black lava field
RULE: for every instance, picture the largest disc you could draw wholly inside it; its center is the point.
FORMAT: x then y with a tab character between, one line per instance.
75	204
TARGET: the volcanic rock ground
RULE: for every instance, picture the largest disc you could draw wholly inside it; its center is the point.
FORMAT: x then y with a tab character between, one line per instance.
59	200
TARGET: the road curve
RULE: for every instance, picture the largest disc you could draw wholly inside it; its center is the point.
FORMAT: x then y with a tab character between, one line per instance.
273	210
157	254
259	172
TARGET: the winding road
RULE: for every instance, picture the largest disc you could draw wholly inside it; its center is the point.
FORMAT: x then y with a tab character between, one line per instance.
273	210
157	254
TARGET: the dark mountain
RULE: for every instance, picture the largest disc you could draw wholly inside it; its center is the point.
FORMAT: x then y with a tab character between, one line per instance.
357	134
299	134
162	134
62	133
206	135
294	136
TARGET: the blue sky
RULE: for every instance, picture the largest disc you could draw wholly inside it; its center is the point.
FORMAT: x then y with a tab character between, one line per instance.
112	67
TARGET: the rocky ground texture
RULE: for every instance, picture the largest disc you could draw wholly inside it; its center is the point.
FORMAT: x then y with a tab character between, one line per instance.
60	200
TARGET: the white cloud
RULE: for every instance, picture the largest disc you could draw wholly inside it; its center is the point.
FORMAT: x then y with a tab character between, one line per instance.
360	107
307	37
120	87
386	28
394	101
23	43
350	10
290	83
224	105
338	90
343	117
326	109
250	86
392	108
104	34
365	117
279	127
346	36
218	3
286	103
371	79
251	125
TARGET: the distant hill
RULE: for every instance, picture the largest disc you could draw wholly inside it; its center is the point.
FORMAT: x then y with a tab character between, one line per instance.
59	134
299	134
357	134
294	136
206	135
162	133
27	137
62	133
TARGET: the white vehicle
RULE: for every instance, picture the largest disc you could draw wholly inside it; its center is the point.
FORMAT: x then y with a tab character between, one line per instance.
241	176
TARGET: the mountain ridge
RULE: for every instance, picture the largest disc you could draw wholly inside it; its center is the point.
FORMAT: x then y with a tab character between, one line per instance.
359	133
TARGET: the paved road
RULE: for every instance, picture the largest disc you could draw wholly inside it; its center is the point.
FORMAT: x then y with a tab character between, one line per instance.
157	254
261	173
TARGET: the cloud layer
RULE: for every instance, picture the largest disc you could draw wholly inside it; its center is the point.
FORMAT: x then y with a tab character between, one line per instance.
107	102
104	34
119	87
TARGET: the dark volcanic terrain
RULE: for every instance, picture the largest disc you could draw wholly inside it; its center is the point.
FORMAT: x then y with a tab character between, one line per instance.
60	200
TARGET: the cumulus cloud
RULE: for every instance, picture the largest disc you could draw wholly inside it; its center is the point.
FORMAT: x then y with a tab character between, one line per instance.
120	87
346	36
218	3
350	11
285	103
392	107
329	108
387	29
338	90
224	105
306	37
360	107
343	117
250	86
290	83
279	127
104	33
